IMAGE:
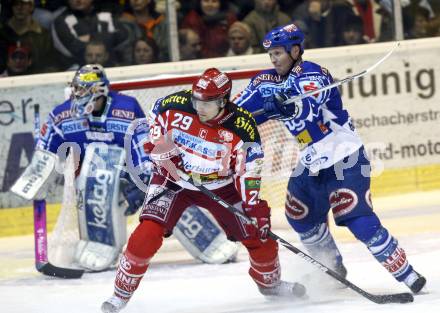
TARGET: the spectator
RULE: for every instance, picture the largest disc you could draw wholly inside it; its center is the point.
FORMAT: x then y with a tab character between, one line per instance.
211	20
45	12
421	24
262	19
325	21
18	61
241	8
239	36
23	28
145	51
74	28
189	44
153	24
365	10
96	52
353	33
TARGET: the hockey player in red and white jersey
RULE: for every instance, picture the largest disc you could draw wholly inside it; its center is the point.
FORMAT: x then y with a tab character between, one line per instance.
201	133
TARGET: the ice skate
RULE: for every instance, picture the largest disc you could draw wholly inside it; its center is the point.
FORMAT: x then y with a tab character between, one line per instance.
113	305
284	290
415	282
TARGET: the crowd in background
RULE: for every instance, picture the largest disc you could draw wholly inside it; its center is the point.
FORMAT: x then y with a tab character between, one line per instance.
40	36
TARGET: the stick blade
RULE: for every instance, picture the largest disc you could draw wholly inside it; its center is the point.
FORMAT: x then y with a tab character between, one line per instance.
404	297
55	271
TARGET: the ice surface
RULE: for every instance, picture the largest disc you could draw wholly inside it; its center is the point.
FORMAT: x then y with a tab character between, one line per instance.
187	286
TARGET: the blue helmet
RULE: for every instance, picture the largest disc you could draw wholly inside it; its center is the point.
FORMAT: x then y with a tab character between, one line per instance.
89	83
284	36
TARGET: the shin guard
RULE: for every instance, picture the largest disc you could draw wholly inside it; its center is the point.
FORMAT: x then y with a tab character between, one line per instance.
387	251
265	267
143	244
320	244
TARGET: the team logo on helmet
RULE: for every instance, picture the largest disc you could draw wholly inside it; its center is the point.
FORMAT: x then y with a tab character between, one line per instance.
220	80
202	83
267	43
290	28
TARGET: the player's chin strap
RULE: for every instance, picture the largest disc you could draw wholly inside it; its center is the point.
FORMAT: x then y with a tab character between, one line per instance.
333	85
380	299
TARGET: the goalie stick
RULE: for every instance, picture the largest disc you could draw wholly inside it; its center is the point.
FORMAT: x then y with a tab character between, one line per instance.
335	84
42	263
404	297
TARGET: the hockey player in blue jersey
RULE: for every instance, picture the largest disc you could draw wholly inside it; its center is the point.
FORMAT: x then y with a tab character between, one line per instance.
333	172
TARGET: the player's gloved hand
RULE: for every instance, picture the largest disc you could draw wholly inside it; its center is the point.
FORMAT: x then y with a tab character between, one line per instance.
260	216
166	157
168	167
275	107
132	194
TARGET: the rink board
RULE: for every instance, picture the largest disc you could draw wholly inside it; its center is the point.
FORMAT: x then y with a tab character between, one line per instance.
19	221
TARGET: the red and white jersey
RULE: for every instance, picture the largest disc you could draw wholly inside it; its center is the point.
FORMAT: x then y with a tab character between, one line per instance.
216	153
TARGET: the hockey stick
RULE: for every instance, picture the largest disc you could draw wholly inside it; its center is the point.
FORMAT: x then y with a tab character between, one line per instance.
335	84
40	228
404	297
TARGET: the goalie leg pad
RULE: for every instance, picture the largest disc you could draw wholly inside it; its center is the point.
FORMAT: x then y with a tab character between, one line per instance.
95	256
198	231
101	222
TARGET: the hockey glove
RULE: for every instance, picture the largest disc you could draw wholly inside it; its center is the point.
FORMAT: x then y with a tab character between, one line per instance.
166	158
275	108
260	216
133	195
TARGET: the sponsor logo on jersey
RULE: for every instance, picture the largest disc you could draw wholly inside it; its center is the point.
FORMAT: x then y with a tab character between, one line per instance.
117	126
322	127
202	169
225	136
99	136
128	115
198	145
295	209
309	86
303	139
343	201
61	116
74	126
247	125
266	78
254	152
252	183
174	99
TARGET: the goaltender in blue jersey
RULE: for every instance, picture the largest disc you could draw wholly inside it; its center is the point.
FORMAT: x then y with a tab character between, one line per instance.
333	172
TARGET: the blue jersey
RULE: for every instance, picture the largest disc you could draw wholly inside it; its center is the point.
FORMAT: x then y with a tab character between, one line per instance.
323	130
122	117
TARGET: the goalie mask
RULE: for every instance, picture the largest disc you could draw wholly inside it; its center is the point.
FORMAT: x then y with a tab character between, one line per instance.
88	84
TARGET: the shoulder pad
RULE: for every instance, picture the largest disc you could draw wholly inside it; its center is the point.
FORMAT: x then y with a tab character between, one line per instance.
178	101
243	124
